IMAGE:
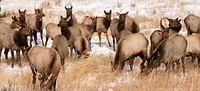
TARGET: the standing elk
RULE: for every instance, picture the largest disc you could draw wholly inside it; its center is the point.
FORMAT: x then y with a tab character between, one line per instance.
173	25
193	47
60	44
74	37
103	23
170	50
52	30
192	24
88	30
47	63
73	20
35	22
13	40
124	22
128	48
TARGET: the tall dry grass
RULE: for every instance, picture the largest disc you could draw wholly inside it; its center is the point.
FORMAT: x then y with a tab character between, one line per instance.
94	73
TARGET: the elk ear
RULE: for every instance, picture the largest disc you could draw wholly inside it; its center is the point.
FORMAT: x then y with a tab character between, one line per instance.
126	13
42	9
68	18
61	17
105	12
25	11
35	11
117	13
19	11
71	7
65	7
179	20
110	11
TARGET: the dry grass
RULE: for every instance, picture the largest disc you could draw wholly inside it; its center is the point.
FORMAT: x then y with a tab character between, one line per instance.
94	73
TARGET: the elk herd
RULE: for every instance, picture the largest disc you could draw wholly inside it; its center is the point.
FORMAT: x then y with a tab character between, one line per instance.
167	46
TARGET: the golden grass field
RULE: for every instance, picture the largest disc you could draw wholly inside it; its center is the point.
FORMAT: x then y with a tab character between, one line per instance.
94	74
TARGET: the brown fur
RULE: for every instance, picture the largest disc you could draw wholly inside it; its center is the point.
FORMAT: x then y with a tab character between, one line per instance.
88	30
87	20
128	48
60	44
103	23
72	34
13	39
46	62
167	23
193	47
116	26
35	22
169	50
192	23
73	21
52	30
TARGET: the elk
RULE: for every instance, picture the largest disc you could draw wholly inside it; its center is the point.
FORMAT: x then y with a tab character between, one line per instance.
116	26
103	23
73	35
168	23
128	48
13	40
88	30
170	50
73	20
35	22
193	47
47	63
52	30
192	23
60	44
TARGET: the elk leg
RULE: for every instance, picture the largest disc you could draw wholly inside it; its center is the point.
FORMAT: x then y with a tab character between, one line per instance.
193	58
108	39
113	42
131	64
6	53
47	38
99	34
12	54
54	84
198	61
183	64
1	47
34	78
35	37
18	57
41	32
121	65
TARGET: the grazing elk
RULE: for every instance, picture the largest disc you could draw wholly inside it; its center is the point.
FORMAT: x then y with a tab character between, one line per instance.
73	20
170	50
52	30
47	63
13	40
60	44
192	23
129	47
103	23
88	30
74	37
35	22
